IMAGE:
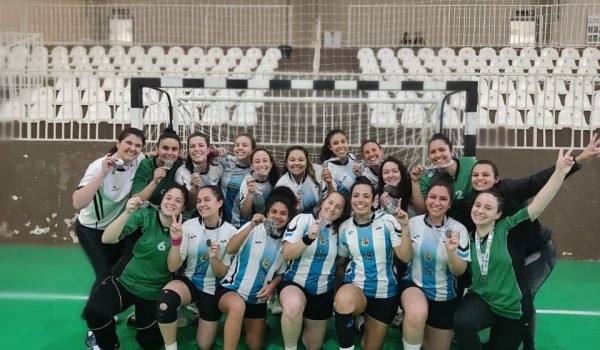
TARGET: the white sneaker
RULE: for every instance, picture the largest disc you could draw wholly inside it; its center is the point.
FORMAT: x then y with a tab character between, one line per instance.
397	321
359	323
274	306
182	320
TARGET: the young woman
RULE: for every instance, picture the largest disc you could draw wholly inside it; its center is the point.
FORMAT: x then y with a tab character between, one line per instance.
144	275
200	168
394	185
303	178
203	242
369	283
372	156
256	187
306	292
337	162
539	248
155	174
497	297
100	197
243	292
443	161
237	167
440	251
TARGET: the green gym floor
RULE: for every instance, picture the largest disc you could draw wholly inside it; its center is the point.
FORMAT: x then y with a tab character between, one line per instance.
43	289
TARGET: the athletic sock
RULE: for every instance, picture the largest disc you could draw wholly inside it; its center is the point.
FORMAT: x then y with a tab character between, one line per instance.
408	346
295	347
171	347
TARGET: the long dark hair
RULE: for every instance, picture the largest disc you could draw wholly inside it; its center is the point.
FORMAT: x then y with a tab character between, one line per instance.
123	135
327	153
442	137
183	190
168	134
404	186
210	158
216	191
310	171
285	196
274	172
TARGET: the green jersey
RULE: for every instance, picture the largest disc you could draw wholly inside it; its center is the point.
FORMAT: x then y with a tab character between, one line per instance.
500	290
461	186
147	272
145	174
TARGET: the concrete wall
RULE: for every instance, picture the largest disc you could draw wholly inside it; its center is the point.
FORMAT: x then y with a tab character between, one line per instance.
38	179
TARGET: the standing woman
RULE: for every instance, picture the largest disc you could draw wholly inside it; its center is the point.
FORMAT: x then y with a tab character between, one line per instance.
337	162
394	185
499	297
303	178
202	247
144	275
102	195
428	295
306	292
243	292
237	167
200	167
155	174
370	286
443	161
257	186
372	156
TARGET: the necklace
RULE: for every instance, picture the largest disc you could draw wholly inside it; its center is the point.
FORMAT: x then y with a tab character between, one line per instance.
484	258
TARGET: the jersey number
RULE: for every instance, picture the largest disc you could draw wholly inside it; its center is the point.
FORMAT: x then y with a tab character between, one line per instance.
161	246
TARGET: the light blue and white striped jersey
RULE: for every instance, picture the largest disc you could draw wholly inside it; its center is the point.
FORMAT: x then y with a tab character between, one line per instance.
193	248
342	174
258	259
230	185
370	249
310	193
315	268
369	174
428	268
263	189
211	177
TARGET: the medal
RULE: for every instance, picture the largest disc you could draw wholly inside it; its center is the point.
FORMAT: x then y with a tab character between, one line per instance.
483	279
483	258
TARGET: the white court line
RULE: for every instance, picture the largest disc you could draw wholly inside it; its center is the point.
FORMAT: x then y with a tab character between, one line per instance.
49	296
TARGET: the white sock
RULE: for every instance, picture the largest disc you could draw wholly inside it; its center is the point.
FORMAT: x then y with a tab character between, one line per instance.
295	347
348	348
408	346
171	347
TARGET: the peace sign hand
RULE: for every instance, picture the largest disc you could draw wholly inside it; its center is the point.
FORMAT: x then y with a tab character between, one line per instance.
565	161
175	228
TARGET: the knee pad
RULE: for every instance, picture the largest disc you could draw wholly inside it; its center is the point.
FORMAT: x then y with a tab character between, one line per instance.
166	306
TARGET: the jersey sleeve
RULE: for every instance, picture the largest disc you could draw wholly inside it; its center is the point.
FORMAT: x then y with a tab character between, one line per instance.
343	249
243	189
424	184
135	221
226	259
142	176
183	177
297	228
395	230
463	250
517	217
91	172
187	228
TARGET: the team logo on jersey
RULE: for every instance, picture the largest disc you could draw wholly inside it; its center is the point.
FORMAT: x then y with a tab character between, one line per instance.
265	263
321	239
203	257
427	255
364	241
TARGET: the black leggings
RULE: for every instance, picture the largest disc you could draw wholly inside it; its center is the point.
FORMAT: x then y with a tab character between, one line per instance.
537	271
110	298
474	314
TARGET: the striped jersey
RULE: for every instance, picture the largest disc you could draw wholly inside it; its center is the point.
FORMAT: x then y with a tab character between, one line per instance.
342	174
308	192
234	175
428	268
112	195
370	249
263	189
315	268
257	260
193	248
369	174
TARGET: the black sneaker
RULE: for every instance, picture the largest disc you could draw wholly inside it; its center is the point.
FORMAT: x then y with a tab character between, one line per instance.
131	320
90	341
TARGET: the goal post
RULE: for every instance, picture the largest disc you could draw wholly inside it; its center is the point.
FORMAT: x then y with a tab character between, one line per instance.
323	95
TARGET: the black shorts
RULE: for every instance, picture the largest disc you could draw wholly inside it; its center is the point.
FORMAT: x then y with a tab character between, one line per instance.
253	311
318	306
440	314
208	306
382	309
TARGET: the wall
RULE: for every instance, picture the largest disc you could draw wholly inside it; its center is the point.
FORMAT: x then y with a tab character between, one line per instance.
40	177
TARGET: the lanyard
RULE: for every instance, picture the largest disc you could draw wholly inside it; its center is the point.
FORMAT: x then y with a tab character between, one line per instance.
484	258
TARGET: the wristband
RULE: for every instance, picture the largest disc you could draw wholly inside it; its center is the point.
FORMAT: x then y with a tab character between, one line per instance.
307	240
176	242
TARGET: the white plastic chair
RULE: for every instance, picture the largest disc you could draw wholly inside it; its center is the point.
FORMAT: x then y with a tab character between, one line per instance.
529	53
156	114
244	115
175	52
549	100
549	52
589	62
41	111
215	114
466	53
543	62
254	52
499	62
566	62
235	52
503	85
540	118
13	110
93	96
42	94
68	95
273	52
155	51
519	100
451	119
196	52
572	118
215	52
78	51
576	100
446	53
97	51
522	62
483	119
570	52
123	114
383	115
135	51
58	51
414	117
432	62
425	52
69	112
487	53
384	52
116	51
163	61
595	118
98	112
491	99
410	62
508	53
454	62
591	52
510	118
582	85
405	52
